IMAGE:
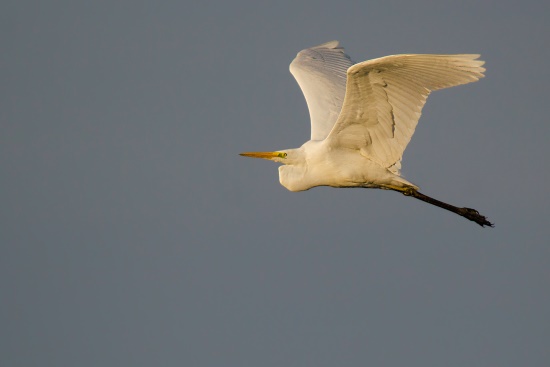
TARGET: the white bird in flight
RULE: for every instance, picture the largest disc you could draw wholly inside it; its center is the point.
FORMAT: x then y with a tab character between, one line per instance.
363	116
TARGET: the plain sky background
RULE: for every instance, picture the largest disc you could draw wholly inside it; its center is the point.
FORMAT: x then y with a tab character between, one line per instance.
132	233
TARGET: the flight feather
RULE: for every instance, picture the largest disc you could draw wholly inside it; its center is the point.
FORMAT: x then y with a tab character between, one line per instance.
321	74
384	100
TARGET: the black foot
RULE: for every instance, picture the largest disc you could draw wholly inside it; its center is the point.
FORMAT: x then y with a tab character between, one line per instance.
409	191
474	216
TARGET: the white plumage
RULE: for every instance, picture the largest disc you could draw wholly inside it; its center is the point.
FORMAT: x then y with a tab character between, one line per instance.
364	115
321	73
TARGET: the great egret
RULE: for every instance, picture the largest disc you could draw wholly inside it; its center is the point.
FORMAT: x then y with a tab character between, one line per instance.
363	116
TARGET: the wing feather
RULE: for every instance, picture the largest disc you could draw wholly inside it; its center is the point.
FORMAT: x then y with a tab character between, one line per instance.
384	100
321	73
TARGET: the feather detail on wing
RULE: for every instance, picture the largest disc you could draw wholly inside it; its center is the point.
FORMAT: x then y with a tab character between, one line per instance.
384	100
321	73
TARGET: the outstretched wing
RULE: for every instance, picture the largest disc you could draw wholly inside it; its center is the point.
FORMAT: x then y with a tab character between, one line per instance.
384	100
321	73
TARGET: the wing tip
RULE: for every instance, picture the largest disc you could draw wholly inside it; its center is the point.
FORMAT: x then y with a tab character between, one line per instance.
330	44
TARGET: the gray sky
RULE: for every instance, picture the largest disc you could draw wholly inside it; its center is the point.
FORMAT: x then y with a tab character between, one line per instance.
132	233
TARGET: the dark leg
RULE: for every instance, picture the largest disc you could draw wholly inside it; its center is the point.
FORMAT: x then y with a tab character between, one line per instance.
467	213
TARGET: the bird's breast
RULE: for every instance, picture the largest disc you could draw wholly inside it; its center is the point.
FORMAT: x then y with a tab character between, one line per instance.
294	178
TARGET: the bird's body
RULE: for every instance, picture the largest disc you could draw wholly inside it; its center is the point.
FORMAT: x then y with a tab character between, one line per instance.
318	163
363	116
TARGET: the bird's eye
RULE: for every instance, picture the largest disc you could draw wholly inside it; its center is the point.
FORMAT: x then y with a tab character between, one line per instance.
282	155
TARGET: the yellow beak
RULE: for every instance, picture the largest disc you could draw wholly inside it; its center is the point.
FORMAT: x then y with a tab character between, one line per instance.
264	155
